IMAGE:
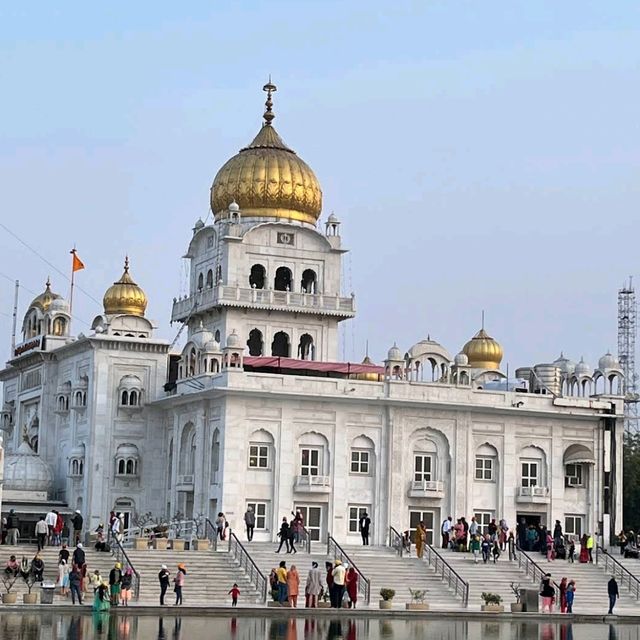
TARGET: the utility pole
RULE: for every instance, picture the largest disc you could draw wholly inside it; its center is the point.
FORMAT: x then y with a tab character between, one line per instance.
627	329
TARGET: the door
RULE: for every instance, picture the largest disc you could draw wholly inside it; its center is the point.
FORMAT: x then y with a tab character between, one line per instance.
427	518
312	515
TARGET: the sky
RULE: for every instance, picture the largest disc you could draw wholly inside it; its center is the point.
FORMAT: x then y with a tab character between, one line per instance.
481	155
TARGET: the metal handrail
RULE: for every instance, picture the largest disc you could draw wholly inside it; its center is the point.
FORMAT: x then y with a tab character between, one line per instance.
619	571
242	557
336	551
122	557
307	541
396	541
532	568
448	573
213	536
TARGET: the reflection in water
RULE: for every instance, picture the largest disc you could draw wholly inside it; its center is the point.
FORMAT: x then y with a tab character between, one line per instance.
126	626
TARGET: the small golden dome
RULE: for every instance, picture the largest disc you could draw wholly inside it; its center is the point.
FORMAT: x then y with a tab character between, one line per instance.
267	179
483	351
369	376
125	296
44	300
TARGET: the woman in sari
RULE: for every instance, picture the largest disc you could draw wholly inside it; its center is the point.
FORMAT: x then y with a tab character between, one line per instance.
421	536
102	598
584	552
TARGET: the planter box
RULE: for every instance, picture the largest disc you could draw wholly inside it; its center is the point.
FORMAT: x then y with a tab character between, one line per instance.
30	598
160	543
386	604
516	607
200	545
177	545
493	608
417	606
9	598
140	544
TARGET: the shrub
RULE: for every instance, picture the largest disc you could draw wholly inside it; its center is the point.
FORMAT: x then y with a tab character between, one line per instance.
387	594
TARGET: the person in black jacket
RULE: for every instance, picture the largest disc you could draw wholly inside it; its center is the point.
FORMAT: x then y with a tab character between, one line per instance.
75	581
77	522
612	589
364	525
284	535
13	525
164	577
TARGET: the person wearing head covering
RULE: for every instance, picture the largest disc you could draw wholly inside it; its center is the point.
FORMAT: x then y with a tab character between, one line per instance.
63	576
125	586
37	568
339	578
293	586
115	578
352	586
96	579
314	585
163	577
101	600
178	582
77	521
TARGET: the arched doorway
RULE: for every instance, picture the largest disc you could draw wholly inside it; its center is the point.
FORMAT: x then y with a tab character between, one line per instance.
280	345
283	279
255	342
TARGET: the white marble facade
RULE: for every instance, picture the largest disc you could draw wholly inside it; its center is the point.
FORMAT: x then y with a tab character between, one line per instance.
425	436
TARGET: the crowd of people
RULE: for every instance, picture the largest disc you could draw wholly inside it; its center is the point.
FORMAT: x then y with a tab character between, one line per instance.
338	585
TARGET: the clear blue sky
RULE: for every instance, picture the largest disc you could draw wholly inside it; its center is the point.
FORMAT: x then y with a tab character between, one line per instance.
482	155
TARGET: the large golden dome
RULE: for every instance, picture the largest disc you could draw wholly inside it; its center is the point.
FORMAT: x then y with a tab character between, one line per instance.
125	296
267	179
483	351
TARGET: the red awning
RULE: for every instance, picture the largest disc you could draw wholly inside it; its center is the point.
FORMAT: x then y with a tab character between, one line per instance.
274	362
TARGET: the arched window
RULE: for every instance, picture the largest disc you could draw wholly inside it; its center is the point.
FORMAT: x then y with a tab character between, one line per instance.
308	283
121	467
209	279
255	343
192	362
218	274
124	398
280	345
187	450
127	460
257	276
306	350
133	398
59	326
215	456
200	282
362	456
283	279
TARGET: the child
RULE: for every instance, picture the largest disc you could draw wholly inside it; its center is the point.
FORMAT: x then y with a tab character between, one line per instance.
495	551
474	546
235	592
572	552
486	549
571	590
406	542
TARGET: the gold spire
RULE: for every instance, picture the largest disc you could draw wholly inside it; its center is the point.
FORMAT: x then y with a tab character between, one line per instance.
267	179
483	351
125	296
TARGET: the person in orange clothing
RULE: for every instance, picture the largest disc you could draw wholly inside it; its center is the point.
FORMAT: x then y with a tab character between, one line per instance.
293	585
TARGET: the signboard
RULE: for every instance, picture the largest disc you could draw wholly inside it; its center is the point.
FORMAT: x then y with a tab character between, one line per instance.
29	345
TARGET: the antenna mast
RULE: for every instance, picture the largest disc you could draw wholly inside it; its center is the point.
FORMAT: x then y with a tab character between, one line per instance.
627	329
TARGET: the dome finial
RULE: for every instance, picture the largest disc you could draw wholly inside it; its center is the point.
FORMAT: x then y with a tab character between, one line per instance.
48	283
270	88
126	264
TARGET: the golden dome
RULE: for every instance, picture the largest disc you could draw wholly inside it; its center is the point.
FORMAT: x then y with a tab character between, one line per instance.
370	376
267	179
483	351
125	296
44	300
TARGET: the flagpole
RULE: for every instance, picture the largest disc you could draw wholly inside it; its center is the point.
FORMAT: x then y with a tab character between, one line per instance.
73	273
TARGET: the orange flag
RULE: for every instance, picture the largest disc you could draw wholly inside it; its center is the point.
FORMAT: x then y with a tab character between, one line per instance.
77	263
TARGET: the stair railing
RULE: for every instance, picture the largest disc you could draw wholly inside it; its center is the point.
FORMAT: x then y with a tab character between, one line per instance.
211	533
246	562
307	539
396	541
619	571
334	550
533	569
121	556
448	574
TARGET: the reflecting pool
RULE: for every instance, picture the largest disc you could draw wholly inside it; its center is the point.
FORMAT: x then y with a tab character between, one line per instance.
58	626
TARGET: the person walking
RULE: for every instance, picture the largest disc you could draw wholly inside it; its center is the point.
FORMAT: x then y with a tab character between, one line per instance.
495	551
115	579
281	574
293	586
79	560
445	531
584	552
234	592
352	587
125	586
13	525
292	537
314	585
50	521
421	536
590	545
364	525
474	547
486	548
562	588
163	578
57	529
77	521
63	577
297	525
42	531
178	583
550	551
283	534
572	552
548	593
511	545
75	581
612	590
221	524
249	522
570	595
339	578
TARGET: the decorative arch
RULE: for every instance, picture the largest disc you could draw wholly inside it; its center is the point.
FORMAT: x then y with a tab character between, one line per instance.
314	454
257	276
281	345
127	460
486	462
200	282
533	466
255	342
187	454
210	279
306	348
309	281
283	279
362	456
430	450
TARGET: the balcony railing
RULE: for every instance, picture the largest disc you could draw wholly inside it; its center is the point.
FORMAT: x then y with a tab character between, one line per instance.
185	480
532	494
313	484
426	489
231	296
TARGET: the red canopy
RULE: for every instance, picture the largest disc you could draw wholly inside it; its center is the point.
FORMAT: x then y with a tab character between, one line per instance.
275	362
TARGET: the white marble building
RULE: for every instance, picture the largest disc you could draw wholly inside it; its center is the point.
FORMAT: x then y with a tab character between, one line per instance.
257	410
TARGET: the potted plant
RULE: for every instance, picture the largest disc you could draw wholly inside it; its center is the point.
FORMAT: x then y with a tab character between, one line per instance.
160	540
516	607
387	598
491	602
142	521
8	581
417	600
30	581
